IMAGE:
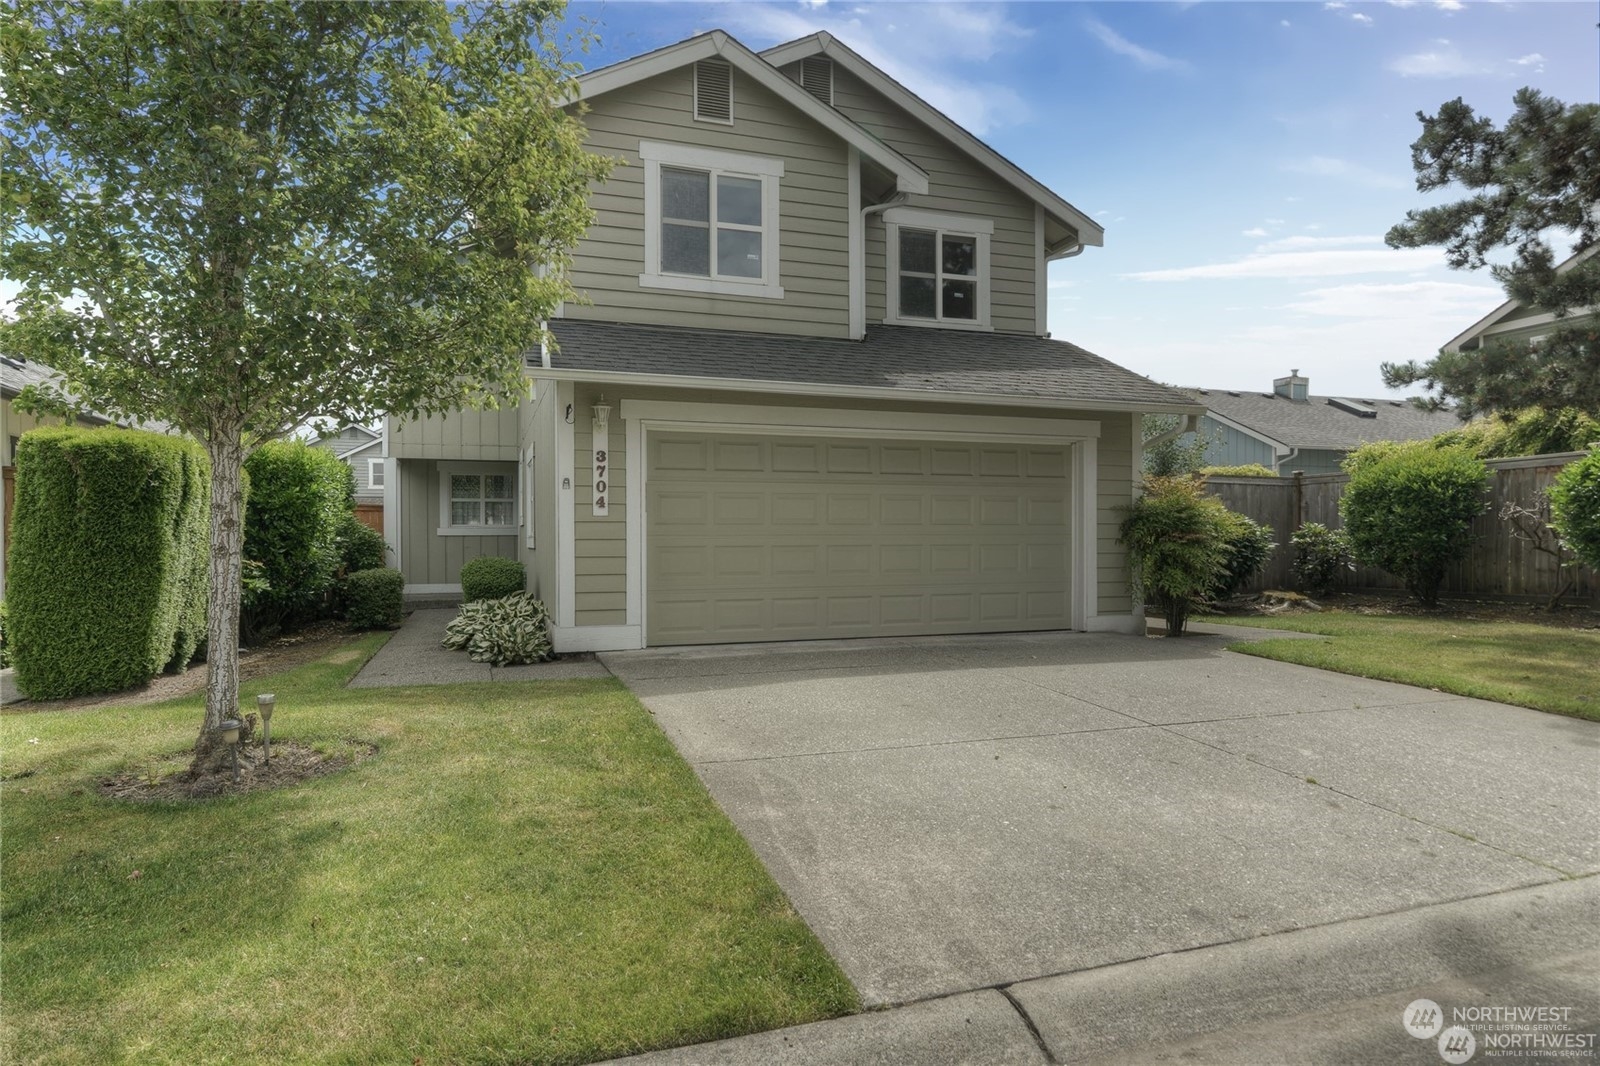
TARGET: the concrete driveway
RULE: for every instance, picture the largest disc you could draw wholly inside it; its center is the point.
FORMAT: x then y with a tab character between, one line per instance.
968	813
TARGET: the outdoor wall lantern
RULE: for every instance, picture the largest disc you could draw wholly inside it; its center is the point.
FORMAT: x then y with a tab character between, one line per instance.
264	704
602	414
228	733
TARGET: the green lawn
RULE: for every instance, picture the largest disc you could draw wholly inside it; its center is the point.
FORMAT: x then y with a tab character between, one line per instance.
1542	667
523	873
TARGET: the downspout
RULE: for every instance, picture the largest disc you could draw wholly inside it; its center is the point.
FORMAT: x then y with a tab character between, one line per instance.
1190	424
858	281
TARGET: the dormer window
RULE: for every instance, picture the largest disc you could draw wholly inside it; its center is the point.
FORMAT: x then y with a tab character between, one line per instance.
938	268
711	221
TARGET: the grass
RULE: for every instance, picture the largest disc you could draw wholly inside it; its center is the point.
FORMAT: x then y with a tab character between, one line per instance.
523	873
1542	667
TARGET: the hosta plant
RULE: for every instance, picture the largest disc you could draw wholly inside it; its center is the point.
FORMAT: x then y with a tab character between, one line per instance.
503	632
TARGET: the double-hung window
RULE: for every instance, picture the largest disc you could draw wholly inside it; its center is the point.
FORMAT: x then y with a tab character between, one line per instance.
477	499
938	269
711	221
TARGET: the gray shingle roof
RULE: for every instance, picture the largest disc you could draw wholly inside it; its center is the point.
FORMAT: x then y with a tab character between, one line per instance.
1317	423
904	358
18	374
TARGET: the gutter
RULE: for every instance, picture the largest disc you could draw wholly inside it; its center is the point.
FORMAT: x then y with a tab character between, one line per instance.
1190	424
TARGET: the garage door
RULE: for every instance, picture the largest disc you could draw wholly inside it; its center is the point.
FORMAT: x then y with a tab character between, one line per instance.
794	538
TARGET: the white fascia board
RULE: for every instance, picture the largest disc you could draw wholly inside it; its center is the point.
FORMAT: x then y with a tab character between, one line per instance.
1279	448
866	392
1090	232
717	44
1482	326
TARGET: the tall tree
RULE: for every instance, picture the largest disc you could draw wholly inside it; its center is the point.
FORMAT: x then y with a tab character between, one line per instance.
236	217
1538	175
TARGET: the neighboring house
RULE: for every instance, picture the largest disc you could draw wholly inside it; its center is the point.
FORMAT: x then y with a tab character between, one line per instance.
1511	321
1290	429
811	394
362	450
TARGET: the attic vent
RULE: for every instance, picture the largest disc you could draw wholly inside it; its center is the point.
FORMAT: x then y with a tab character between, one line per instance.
816	77
1359	408
713	91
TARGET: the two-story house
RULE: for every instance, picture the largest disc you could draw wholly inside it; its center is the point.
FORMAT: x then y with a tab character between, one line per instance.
812	393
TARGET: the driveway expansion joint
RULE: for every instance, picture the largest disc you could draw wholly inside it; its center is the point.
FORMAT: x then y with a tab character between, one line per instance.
1027	1020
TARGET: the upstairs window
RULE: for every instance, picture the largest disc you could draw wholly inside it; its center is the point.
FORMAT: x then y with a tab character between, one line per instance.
711	221
938	269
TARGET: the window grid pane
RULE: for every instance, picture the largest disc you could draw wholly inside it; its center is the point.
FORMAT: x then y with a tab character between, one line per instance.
739	200
938	275
685	249
686	194
465	486
739	253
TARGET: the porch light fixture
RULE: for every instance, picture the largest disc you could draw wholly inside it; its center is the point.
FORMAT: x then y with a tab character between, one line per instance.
602	414
264	705
228	733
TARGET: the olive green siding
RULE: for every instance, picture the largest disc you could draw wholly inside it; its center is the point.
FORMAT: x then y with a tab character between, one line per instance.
468	435
813	214
600	544
425	557
1112	495
959	184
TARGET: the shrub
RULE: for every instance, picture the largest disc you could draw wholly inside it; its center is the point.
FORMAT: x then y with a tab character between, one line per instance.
511	629
1531	431
360	546
490	578
1176	549
1179	454
1319	554
107	580
1248	545
1408	509
299	499
373	598
5	658
1246	470
1575	508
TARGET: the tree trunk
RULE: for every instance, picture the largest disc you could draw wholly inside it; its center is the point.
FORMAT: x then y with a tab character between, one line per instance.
226	450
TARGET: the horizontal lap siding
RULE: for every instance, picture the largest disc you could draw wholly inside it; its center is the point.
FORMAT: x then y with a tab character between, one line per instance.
1115	492
813	214
599	544
957	184
426	557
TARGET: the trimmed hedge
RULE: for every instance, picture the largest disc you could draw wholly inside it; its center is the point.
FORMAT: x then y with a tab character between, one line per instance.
360	546
1177	546
489	577
109	547
1575	508
1320	554
374	598
299	499
1246	470
1248	545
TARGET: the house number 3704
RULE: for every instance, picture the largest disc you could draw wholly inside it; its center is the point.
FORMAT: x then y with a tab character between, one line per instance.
602	477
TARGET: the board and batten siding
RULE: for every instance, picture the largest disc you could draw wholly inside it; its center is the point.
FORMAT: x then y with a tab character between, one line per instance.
958	184
427	558
487	436
1226	446
813	214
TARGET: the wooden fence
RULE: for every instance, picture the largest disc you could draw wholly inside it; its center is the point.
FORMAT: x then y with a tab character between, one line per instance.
1499	564
370	515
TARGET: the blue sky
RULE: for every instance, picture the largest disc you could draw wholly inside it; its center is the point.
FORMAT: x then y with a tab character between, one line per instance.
1245	158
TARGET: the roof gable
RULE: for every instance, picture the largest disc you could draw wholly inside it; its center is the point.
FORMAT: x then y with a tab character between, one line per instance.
717	44
1089	231
1487	323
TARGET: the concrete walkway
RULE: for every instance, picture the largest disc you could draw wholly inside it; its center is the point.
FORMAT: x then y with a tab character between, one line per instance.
413	656
1134	843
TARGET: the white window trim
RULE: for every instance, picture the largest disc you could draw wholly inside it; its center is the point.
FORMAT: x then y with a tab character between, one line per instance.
980	229
445	528
655	154
375	466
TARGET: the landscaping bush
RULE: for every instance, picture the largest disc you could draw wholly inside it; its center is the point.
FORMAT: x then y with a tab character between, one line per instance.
1173	456
300	498
1248	545
1246	470
489	577
5	658
1532	431
511	629
1176	548
1408	509
107	579
373	598
1320	554
360	546
1575	508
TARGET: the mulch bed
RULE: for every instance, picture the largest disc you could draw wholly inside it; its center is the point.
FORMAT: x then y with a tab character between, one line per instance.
292	763
1275	604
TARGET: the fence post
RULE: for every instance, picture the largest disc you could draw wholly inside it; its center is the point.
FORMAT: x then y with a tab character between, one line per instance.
1299	500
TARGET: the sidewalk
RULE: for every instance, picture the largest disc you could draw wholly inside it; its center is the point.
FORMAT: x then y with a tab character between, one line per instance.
414	656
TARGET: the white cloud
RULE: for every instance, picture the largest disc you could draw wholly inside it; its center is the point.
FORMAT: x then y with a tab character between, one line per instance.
1303	242
1448	5
1145	57
1533	60
1334	5
1444	61
1254	231
1454	301
1284	23
1364	20
1321	166
1314	263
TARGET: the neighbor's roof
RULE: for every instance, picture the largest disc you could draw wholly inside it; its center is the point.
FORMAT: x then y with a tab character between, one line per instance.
1488	322
1320	423
18	374
928	363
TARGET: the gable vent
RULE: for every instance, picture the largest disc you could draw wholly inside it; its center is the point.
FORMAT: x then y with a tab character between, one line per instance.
816	77
1359	408
713	91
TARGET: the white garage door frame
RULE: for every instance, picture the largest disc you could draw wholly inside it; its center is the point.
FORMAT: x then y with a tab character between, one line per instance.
642	417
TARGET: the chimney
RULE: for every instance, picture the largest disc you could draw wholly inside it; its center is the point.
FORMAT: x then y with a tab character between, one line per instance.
1294	387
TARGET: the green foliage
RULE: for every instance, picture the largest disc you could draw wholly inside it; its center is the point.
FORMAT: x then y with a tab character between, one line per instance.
107	578
300	500
1538	175
1171	457
1320	554
1408	507
1247	546
5	656
1575	508
1176	548
374	599
1243	470
360	546
504	631
489	577
1530	431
